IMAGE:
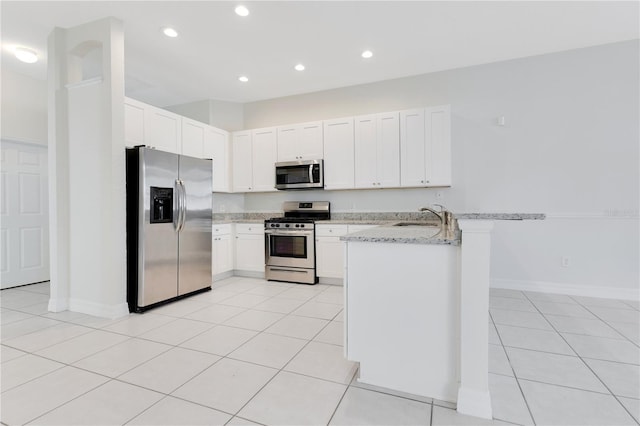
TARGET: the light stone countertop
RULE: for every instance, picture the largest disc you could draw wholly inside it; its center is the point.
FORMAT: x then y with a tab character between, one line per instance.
500	216
415	234
429	234
385	232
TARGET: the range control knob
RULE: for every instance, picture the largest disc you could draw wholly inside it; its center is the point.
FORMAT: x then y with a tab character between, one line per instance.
287	225
302	225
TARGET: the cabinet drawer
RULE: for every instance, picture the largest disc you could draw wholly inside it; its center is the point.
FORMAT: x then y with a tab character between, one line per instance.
221	229
250	228
331	230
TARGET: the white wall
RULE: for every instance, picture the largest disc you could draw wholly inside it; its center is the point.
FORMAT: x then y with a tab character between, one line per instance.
220	114
569	149
24	108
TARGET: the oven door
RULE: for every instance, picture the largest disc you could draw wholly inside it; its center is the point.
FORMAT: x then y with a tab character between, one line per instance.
290	248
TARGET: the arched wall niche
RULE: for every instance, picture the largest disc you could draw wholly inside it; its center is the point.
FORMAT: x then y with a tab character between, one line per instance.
85	61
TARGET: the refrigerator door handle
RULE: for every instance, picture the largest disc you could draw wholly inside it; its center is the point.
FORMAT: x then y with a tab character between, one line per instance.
183	190
179	207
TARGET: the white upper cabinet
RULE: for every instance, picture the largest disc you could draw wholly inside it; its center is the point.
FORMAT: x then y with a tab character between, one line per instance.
242	162
133	122
264	157
366	152
377	150
300	142
254	156
438	142
425	142
216	147
162	129
412	148
339	154
193	136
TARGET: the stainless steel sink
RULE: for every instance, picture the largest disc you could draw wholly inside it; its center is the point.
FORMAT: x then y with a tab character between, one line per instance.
432	224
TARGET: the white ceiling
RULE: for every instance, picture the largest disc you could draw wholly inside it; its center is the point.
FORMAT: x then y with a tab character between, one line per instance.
215	46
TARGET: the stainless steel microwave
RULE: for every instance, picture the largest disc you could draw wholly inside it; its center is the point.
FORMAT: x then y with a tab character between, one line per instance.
305	174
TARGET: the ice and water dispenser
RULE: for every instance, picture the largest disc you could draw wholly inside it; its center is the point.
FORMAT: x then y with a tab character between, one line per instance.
161	205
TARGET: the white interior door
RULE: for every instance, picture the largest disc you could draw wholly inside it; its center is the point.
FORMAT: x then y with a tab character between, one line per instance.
24	224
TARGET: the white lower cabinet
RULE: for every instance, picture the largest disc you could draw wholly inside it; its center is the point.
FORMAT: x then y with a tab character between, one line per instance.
249	247
222	249
330	250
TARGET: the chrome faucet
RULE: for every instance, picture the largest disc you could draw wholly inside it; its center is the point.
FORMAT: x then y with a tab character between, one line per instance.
446	218
438	214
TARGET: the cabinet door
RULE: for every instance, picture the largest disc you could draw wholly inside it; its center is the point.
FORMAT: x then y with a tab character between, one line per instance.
412	148
288	143
193	135
133	122
264	152
339	154
222	254
438	145
163	129
216	147
242	167
250	252
366	152
329	257
310	141
388	148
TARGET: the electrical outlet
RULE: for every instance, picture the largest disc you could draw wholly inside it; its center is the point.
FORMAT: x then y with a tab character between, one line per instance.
565	262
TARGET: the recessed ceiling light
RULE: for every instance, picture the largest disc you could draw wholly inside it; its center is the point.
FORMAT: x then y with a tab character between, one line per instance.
367	54
242	11
243	78
299	67
26	55
170	32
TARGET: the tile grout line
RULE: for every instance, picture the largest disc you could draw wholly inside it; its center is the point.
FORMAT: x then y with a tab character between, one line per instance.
109	379
589	367
602	381
526	403
610	326
261	365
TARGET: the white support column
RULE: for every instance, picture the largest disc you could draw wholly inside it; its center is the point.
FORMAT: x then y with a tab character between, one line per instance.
87	169
473	395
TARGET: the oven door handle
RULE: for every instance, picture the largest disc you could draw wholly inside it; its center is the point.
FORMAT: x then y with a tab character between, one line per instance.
287	232
288	270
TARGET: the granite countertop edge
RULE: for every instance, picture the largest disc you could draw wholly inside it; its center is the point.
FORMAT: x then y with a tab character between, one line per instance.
376	218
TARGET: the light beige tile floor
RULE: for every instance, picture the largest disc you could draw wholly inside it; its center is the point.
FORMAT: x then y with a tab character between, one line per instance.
256	352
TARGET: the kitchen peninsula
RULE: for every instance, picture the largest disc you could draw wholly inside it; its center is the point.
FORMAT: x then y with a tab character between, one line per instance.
416	303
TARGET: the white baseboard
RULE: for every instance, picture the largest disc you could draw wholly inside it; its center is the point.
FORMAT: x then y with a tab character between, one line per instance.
222	276
58	305
569	289
98	309
330	281
248	274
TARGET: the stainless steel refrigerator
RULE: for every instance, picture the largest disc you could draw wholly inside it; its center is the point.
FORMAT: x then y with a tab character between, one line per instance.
168	227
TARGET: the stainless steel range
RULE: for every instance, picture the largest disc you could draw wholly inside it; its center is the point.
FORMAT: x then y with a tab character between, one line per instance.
290	250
